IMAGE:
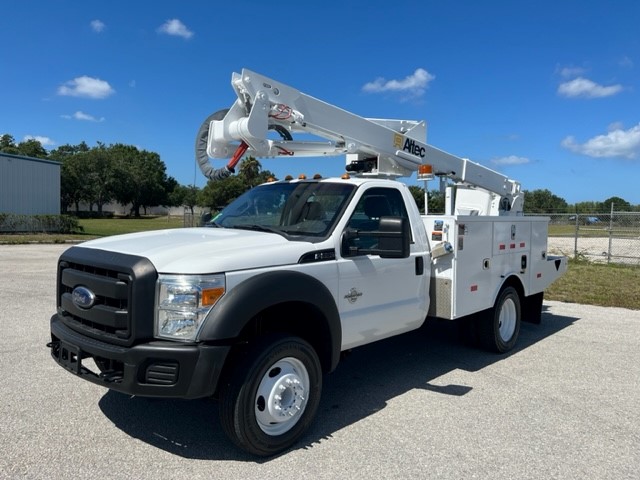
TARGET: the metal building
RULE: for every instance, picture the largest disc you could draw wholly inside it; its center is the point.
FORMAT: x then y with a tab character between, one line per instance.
29	186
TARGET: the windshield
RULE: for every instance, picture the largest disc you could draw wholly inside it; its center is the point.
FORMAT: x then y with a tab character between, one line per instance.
301	208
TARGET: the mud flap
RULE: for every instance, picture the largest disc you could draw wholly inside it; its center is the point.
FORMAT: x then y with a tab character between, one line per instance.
532	308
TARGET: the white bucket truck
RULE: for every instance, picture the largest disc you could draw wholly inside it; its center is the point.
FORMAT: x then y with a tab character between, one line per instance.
256	309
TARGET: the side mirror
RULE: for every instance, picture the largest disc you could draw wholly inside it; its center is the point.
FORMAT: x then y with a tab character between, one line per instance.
393	239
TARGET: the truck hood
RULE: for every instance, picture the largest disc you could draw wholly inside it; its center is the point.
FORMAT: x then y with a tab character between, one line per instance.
206	250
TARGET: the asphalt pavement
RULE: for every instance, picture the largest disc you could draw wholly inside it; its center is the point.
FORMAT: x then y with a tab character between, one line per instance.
564	405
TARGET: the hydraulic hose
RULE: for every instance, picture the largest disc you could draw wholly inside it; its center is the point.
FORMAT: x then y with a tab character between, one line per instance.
201	150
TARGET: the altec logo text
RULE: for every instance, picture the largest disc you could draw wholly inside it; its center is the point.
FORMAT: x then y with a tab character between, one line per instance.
408	145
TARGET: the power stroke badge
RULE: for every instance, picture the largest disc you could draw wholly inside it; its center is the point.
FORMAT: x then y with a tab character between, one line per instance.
353	295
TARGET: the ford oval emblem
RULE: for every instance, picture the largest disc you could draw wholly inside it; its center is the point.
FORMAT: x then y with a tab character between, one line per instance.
83	297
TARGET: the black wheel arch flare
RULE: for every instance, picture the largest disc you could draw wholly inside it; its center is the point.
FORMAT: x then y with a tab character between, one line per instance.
261	292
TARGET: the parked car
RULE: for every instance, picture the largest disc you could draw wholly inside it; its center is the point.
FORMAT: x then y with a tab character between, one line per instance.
585	220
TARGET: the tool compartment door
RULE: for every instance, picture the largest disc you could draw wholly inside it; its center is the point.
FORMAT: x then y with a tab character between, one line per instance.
475	277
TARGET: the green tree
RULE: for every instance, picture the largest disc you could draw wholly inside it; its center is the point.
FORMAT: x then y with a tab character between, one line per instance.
170	185
72	183
32	148
543	201
249	171
142	179
619	204
99	176
8	145
418	195
585	207
186	196
73	174
216	195
67	150
436	199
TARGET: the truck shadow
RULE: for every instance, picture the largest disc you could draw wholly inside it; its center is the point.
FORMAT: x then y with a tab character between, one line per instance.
362	385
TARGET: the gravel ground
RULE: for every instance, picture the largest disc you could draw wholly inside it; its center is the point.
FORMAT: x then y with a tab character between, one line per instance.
623	250
565	404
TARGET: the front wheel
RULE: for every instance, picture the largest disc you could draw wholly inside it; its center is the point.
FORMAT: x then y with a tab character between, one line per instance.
500	327
271	396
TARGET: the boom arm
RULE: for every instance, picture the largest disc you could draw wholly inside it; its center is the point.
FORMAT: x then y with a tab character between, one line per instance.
374	147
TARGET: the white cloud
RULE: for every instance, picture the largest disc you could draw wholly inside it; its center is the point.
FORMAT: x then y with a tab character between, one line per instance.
44	141
626	62
615	126
87	87
583	87
83	116
567	72
176	28
414	84
616	143
97	26
510	160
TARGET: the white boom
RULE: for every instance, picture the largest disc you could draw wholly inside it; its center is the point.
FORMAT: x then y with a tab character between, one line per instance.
374	147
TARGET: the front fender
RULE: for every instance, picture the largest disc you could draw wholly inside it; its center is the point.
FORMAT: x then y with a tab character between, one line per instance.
249	298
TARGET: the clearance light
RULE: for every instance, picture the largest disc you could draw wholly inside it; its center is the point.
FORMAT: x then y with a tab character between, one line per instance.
345	176
288	178
317	176
425	172
302	176
271	179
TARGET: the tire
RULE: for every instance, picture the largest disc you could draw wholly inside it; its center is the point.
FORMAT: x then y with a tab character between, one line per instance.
271	395
500	326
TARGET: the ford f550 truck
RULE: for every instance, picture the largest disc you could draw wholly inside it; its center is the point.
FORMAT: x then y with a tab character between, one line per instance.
257	307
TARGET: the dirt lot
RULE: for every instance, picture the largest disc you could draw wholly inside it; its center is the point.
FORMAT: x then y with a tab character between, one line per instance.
623	250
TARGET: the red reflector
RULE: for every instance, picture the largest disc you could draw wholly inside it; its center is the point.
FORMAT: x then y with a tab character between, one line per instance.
513	245
521	244
502	246
474	288
539	275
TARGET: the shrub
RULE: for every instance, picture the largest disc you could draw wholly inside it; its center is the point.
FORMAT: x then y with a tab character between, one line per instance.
13	223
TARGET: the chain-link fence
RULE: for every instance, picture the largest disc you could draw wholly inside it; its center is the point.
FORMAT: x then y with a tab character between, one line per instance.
197	219
611	238
189	219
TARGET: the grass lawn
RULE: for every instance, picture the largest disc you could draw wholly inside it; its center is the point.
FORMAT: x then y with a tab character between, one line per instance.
607	285
98	227
102	227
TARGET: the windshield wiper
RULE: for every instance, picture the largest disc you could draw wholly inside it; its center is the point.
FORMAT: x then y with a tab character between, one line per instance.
259	228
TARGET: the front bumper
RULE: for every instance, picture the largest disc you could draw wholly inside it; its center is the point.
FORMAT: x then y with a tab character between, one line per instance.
154	369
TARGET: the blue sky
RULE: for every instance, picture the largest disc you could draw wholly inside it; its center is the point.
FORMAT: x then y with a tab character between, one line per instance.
545	92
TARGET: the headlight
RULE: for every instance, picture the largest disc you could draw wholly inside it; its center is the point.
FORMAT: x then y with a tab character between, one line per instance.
183	302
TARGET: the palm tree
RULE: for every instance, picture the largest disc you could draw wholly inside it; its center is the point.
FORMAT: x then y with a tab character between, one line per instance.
249	171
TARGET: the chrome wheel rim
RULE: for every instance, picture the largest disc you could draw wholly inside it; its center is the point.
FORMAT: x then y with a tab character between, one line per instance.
281	397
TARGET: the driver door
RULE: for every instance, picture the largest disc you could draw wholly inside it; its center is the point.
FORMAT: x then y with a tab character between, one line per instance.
379	297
